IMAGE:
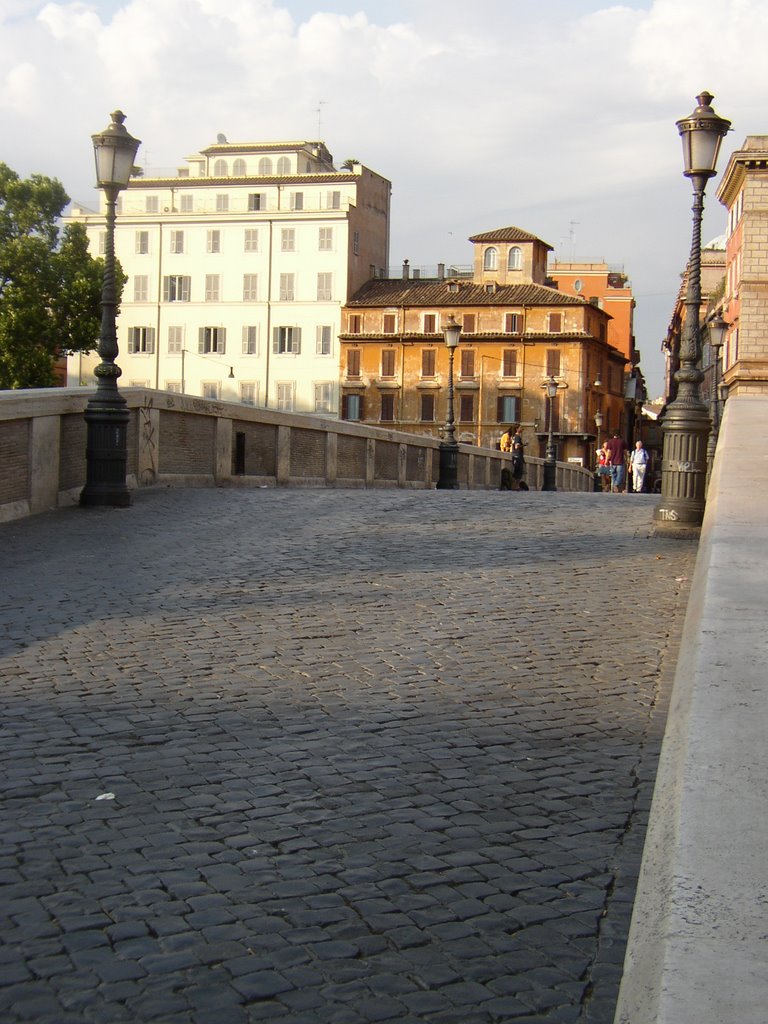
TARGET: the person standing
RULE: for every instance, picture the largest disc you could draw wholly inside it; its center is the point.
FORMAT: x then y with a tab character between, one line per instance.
638	462
617	450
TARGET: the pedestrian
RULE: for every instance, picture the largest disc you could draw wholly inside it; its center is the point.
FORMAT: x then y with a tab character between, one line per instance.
638	463
604	467
506	439
617	450
518	459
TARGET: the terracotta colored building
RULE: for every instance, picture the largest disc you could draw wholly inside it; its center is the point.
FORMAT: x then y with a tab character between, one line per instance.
516	332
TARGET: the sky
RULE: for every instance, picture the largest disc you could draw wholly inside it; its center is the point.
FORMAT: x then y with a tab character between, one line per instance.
557	117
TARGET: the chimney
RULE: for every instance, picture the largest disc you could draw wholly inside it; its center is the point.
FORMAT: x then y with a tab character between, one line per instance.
406	270
441	271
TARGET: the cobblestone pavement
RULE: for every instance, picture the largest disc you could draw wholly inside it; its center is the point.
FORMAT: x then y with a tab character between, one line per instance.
329	756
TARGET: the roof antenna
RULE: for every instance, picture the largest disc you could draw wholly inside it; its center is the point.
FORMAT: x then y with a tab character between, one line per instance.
319	112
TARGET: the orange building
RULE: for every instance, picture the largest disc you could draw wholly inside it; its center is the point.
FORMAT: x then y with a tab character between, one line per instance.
517	332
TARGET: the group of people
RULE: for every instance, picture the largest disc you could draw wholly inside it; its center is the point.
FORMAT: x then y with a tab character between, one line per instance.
612	465
512	442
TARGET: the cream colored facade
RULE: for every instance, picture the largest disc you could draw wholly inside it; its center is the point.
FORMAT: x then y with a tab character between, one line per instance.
237	269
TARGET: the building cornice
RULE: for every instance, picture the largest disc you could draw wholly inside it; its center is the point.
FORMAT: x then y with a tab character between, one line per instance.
754	156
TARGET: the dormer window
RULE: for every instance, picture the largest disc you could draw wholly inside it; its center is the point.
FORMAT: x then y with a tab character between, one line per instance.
490	258
453	286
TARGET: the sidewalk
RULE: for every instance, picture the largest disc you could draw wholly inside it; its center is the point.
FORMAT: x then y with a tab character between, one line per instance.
329	756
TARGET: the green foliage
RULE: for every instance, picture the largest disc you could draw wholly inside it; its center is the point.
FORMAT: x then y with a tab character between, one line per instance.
50	287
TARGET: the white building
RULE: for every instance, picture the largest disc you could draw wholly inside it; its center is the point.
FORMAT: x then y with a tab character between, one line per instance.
238	266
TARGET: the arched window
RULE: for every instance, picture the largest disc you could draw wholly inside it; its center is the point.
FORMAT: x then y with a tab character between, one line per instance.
515	258
265	165
283	165
238	168
220	168
490	259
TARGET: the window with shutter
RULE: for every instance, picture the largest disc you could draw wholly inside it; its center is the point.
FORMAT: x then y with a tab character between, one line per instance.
175	339
176	288
467	408
509	362
142	243
214	241
324	341
251	240
389	323
512	323
430	323
177	241
287	288
553	362
211	340
467	362
255	201
469	323
324	287
140	288
387	408
250	341
212	287
351	407
355	324
250	287
286	340
428	362
555	323
353	362
388	362
507	409
427	408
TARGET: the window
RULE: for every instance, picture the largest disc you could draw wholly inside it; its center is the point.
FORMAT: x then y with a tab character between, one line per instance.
333	200
286	340
467	362
175	339
553	362
427	408
388	362
251	240
507	409
515	258
297	200
220	168
284	165
428	362
490	259
287	287
213	241
324	341
466	408
239	168
174	386
151	204
255	201
186	204
212	287
325	239
509	362
355	323
176	288
351	407
102	242
265	165
430	323
222	203
513	323
389	323
177	241
140	288
288	240
142	243
250	341
248	392
387	408
323	397
141	339
285	393
552	408
353	362
356	243
324	287
250	287
210	389
554	323
212	340
138	383
468	325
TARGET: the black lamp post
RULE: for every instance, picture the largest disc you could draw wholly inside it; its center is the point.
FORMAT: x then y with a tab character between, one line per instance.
449	446
550	460
107	414
718	328
686	422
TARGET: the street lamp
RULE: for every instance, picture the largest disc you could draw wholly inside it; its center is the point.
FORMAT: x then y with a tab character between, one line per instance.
550	463
598	424
718	328
448	479
107	415
686	422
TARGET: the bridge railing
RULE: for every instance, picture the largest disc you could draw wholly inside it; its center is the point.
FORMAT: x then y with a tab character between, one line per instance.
180	440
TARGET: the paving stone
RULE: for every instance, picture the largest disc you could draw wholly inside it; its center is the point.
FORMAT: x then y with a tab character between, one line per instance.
341	787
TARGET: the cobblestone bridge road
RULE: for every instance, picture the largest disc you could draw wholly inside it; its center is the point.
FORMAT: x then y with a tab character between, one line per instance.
329	756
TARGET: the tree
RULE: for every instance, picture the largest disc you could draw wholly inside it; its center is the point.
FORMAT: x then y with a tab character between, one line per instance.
50	287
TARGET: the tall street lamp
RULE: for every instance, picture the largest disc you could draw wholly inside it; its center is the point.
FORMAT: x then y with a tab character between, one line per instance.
107	414
550	462
448	479
718	328
686	422
598	424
